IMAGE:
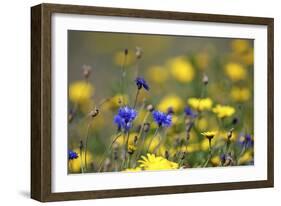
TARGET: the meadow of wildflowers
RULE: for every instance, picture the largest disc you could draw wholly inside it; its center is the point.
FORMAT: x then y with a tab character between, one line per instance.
150	102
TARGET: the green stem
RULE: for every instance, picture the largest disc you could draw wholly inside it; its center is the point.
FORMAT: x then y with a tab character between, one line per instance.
107	152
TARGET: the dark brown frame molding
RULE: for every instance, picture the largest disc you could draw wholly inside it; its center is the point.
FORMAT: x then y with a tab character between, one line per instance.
41	101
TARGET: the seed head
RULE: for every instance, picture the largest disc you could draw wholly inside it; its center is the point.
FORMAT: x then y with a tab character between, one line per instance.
150	108
205	79
139	52
87	69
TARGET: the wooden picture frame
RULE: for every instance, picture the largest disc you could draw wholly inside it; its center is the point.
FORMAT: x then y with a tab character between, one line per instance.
41	97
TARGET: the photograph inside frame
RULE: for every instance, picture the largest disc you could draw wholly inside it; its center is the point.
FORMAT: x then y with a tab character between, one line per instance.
142	102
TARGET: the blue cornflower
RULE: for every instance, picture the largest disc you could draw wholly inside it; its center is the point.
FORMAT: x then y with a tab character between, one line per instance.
246	140
141	83
188	112
162	119
125	117
72	155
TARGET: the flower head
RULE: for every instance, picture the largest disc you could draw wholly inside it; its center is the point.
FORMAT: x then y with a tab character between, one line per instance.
125	117
152	162
162	119
141	83
209	135
171	101
181	69
200	104
223	111
235	71
80	92
188	112
72	155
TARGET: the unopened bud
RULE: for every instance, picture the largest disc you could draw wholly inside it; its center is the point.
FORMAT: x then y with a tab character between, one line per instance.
150	108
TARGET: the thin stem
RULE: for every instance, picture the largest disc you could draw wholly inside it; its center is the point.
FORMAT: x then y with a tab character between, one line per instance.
81	159
107	152
161	141
155	133
210	154
136	98
86	144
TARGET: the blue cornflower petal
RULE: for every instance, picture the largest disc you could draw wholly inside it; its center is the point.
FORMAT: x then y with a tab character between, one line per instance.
72	155
125	117
162	119
141	83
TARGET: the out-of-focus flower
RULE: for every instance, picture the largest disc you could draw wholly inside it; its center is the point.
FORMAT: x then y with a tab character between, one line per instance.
162	119
72	155
246	140
202	60
152	162
240	46
248	58
157	74
117	100
170	101
216	160
200	104
151	144
137	169
121	140
193	147
240	94
181	69
80	92
209	134
141	83
246	157
202	123
188	112
119	58
75	164
235	71
125	117
223	111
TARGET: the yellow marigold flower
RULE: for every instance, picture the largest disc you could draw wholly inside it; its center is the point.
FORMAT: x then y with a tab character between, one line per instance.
137	169
246	157
181	69
152	162
240	94
223	111
240	46
157	74
200	104
75	164
80	92
209	134
235	71
170	101
119	58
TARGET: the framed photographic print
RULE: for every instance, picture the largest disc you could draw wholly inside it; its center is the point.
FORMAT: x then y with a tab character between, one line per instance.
132	102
